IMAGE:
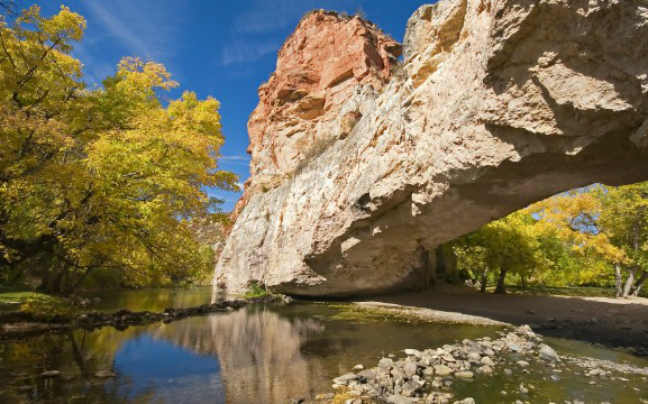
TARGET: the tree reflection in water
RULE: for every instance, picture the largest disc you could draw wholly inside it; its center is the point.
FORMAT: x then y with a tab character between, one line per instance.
250	355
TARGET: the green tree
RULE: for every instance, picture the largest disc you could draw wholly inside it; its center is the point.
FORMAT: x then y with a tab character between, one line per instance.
104	179
498	249
605	224
624	220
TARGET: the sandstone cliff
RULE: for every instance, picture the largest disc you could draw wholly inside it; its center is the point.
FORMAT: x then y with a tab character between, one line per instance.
499	103
302	107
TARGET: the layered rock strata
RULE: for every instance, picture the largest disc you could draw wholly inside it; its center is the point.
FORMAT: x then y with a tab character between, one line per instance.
302	108
499	103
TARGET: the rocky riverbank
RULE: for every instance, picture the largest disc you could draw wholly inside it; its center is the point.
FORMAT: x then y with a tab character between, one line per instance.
614	323
19	324
427	376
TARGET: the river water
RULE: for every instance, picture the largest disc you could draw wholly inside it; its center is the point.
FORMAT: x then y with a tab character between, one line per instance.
261	354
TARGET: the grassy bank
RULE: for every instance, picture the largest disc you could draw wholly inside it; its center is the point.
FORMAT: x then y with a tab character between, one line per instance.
36	303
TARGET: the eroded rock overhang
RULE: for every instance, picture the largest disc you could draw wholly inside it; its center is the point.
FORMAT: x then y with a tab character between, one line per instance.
499	104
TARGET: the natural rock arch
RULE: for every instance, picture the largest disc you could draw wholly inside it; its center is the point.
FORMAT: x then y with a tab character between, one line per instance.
500	103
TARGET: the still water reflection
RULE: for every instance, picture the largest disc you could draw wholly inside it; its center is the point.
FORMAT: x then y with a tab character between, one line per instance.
169	370
260	354
149	299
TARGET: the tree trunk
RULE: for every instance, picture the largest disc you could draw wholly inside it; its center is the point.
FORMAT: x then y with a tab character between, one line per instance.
76	353
58	284
484	279
73	285
16	274
425	268
440	262
433	268
629	281
54	281
618	281
501	287
636	288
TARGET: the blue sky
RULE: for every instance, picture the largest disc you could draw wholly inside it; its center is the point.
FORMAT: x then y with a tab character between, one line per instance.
225	49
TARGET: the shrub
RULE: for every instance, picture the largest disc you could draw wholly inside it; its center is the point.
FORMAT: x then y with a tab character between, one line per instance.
256	289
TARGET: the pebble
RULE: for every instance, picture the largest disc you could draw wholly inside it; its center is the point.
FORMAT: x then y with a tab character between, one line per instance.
398	399
548	353
514	347
404	380
410	388
344	379
413	352
438	398
485	370
51	373
104	374
410	369
596	372
385	363
442	370
487	361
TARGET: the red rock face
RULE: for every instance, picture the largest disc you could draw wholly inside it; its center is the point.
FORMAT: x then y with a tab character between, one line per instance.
318	68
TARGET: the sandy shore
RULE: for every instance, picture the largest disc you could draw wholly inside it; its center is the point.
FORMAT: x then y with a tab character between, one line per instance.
612	322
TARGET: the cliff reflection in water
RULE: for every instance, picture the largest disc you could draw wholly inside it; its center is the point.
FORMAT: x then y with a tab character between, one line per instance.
259	354
248	356
258	351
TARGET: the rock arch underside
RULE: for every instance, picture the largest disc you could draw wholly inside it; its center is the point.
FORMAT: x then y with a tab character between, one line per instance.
361	164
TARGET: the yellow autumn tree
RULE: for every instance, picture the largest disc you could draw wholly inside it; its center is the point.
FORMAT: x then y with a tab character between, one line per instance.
609	224
556	242
108	179
624	220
